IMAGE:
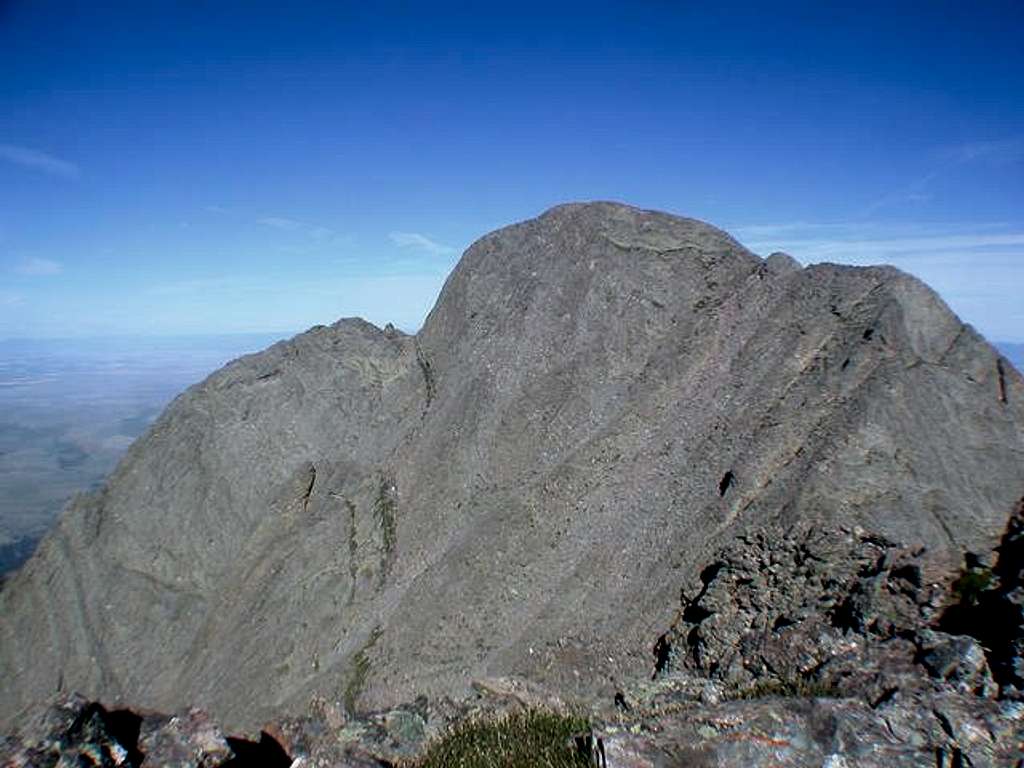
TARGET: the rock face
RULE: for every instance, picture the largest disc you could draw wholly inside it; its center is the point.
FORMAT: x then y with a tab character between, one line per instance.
833	610
807	647
600	398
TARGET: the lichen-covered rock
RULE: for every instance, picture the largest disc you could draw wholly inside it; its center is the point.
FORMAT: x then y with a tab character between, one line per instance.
75	732
946	731
187	740
835	607
957	659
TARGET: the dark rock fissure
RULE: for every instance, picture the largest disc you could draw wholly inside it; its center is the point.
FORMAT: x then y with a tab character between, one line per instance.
97	729
428	373
662	655
353	548
591	749
1001	373
727	481
693	612
265	753
309	489
124	726
621	702
781	622
947	727
708	574
887	695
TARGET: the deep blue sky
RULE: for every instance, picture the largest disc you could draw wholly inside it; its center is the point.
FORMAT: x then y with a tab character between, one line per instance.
228	166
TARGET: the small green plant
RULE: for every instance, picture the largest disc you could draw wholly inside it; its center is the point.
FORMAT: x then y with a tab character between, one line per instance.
799	688
386	508
531	738
972	584
360	672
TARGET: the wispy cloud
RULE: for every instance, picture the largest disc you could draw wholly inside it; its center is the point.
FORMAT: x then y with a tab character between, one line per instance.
279	222
853	248
862	241
917	191
977	268
1000	152
38	161
208	285
782	229
420	242
1003	151
314	231
39	268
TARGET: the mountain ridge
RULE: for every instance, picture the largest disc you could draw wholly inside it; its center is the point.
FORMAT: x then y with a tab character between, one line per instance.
600	396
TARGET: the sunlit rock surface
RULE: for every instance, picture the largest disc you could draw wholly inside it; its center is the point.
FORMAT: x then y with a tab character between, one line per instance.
601	398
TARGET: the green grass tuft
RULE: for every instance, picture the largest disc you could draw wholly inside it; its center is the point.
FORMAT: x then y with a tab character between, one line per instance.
972	584
789	689
386	510
360	672
527	739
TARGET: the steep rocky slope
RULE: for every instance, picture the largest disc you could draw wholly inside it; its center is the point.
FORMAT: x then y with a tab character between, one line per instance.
600	398
800	647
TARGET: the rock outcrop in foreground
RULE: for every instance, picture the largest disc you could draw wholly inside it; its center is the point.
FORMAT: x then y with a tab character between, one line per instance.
802	648
601	397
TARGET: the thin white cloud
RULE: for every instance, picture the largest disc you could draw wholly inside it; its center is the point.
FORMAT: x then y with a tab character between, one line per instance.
320	233
280	222
210	285
1000	152
38	161
285	224
916	191
777	229
976	268
1003	151
420	242
854	248
39	268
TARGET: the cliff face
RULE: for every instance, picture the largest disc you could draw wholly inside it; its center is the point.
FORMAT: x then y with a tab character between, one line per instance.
600	398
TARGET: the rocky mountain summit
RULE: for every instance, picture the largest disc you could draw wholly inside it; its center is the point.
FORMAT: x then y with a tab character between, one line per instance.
533	488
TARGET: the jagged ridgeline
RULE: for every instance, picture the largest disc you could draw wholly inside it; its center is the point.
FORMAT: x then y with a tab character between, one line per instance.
601	397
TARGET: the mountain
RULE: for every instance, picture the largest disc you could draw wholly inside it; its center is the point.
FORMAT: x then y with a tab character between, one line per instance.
601	398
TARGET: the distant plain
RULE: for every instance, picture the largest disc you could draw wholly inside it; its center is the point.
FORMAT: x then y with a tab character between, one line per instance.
69	409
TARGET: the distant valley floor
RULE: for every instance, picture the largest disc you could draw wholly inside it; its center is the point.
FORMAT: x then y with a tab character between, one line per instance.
69	409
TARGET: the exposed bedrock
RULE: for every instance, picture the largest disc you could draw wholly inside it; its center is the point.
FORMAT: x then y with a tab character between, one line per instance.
601	397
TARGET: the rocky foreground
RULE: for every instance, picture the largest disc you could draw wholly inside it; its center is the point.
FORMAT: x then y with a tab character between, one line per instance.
818	647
